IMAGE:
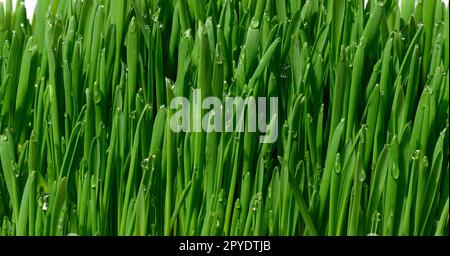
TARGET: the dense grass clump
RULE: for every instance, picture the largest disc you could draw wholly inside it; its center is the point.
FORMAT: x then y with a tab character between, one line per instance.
86	147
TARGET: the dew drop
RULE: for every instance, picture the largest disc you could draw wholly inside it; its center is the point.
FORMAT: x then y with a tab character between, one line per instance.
237	205
285	71
309	118
254	24
337	164
362	176
33	136
246	176
45	202
416	155
133	114
219	60
217	223
425	162
98	96
395	172
145	164
3	137
222	196
15	169
294	134
93	181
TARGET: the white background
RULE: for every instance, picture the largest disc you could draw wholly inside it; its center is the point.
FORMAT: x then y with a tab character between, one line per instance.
30	4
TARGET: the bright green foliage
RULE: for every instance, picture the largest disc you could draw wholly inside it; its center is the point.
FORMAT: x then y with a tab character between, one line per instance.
86	147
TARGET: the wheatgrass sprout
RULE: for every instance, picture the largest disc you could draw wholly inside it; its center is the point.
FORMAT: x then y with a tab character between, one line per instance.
361	121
